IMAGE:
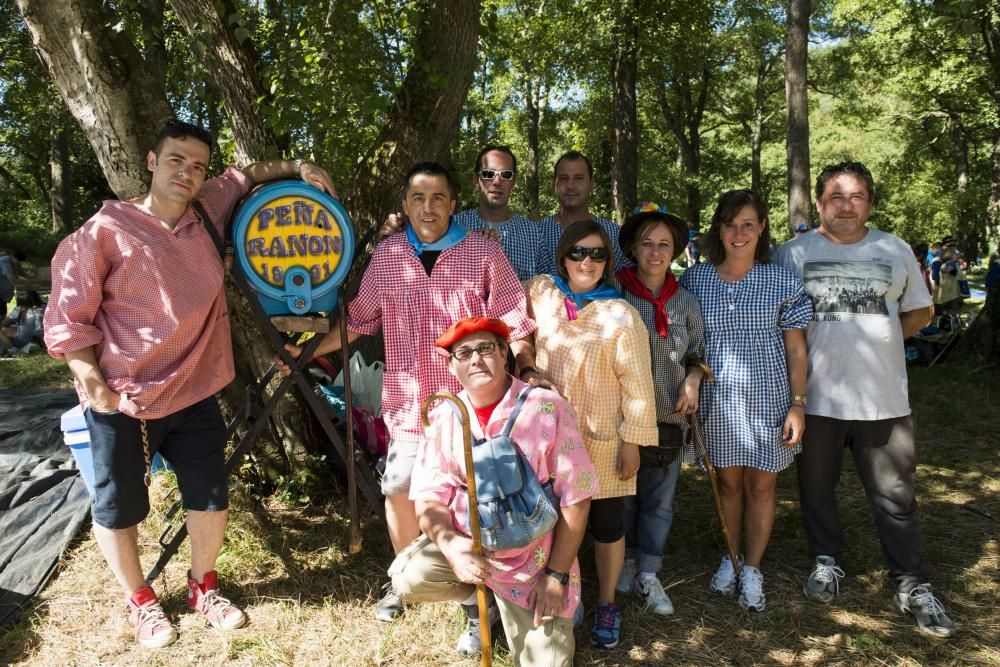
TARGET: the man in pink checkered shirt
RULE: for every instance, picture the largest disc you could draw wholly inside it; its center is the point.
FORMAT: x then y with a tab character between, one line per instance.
419	282
138	312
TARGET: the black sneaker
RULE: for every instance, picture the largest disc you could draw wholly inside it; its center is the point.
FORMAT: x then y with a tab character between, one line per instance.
927	609
390	607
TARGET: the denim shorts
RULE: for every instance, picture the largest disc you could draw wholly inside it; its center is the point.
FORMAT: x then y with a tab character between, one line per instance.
192	440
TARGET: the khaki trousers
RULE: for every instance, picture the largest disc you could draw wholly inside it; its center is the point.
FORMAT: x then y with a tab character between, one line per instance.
421	573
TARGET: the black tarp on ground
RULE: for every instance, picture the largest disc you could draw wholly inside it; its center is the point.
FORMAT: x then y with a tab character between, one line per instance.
43	500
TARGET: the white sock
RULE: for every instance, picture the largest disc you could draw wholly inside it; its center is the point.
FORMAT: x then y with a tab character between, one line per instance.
647	576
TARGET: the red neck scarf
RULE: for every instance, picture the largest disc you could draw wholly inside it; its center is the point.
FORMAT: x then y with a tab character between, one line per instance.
629	279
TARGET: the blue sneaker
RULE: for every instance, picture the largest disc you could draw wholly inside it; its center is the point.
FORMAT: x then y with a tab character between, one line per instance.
607	625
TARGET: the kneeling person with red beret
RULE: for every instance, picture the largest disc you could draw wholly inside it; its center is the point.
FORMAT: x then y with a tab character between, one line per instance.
531	568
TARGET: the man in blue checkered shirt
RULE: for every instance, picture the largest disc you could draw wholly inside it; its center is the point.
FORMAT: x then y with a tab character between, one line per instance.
573	183
494	179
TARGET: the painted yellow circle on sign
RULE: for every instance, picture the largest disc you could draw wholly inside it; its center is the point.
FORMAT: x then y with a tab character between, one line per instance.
293	231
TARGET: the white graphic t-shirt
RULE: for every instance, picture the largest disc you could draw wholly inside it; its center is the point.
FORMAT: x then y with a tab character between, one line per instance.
857	366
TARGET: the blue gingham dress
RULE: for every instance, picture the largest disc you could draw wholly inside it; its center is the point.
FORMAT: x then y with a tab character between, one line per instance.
744	410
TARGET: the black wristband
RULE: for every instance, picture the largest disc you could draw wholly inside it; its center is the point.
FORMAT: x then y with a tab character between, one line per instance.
561	577
526	369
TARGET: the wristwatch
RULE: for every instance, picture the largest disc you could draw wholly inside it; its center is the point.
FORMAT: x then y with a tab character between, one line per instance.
298	167
799	398
526	369
561	577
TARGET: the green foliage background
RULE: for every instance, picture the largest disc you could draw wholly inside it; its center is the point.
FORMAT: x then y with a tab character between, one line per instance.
903	86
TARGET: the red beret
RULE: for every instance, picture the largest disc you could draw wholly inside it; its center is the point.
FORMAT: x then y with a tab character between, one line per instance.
471	325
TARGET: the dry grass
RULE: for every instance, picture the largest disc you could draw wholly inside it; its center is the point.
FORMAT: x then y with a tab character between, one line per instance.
312	603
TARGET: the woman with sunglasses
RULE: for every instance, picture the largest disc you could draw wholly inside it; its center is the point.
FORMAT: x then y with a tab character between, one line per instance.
595	348
653	238
754	412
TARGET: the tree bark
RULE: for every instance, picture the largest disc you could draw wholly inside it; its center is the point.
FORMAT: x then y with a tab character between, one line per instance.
61	204
969	226
797	130
104	83
624	121
424	117
233	67
684	110
532	175
155	47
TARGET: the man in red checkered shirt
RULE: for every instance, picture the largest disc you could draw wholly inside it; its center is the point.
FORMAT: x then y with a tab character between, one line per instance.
419	282
138	312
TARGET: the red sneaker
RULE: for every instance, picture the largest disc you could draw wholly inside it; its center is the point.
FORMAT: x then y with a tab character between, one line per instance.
152	627
205	598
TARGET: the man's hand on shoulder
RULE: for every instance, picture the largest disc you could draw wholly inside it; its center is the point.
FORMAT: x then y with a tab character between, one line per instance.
489	233
394	223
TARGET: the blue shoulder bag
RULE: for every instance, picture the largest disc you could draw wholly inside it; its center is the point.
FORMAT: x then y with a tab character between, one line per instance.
515	509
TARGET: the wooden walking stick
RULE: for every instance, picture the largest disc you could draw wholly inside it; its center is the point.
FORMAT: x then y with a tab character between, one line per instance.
352	461
694	433
486	654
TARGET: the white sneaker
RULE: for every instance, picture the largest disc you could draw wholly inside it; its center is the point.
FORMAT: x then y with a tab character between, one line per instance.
823	583
751	589
626	580
724	579
657	600
470	642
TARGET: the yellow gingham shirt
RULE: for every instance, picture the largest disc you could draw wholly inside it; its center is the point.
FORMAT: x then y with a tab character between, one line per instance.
600	362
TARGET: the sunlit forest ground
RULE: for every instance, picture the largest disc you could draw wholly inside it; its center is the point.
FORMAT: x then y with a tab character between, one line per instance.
310	602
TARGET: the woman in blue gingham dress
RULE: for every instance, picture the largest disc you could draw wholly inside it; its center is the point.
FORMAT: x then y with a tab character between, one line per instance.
755	314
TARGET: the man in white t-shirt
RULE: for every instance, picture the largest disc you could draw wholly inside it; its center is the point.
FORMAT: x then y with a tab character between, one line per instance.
869	296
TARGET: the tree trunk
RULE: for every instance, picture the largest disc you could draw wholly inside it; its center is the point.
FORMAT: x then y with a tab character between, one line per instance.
624	122
102	78
532	177
684	112
993	207
62	206
982	339
154	45
760	118
233	67
425	114
797	131
968	228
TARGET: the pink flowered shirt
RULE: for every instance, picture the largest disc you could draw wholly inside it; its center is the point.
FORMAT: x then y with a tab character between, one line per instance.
547	434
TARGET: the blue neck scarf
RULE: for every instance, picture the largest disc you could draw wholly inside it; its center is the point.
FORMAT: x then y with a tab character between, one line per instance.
452	237
574	300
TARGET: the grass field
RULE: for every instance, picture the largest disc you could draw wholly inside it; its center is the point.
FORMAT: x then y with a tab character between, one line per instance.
310	602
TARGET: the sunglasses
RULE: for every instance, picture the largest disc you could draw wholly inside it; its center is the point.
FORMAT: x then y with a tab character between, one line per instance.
577	253
465	353
490	174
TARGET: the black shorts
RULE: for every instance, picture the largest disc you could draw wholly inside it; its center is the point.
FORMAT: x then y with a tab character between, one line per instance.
607	519
192	440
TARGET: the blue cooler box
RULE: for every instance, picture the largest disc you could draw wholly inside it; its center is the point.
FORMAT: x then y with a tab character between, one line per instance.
77	438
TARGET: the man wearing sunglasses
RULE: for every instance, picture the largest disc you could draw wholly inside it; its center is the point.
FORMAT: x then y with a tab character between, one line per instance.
494	179
573	183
